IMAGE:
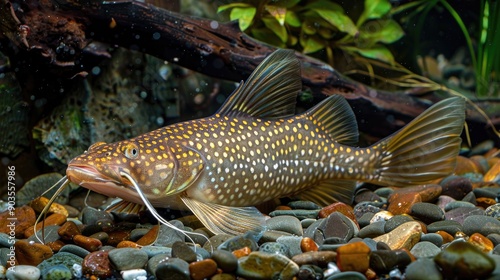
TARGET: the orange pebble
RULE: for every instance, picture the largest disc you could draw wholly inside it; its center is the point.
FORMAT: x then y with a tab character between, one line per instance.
308	245
56	245
243	252
89	243
283	207
353	257
446	236
481	242
54	219
202	269
150	237
128	244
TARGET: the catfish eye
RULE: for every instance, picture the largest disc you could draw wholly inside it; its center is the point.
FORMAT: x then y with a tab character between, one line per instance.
131	151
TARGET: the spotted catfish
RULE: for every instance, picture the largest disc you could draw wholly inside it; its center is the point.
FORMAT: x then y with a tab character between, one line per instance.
254	149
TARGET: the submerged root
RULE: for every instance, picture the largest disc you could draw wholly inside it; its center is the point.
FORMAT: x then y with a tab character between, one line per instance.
160	218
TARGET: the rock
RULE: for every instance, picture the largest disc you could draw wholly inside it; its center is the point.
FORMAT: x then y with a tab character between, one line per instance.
481	242
366	195
381	216
396	221
97	264
259	265
451	227
127	258
275	248
61	258
404	236
168	236
39	203
465	165
293	243
495	238
427	212
23	272
243	252
101	236
238	242
57	272
88	243
302	204
464	261
148	238
134	274
31	253
68	230
48	234
353	257
401	203
457	187
74	249
298	213
383	261
36	186
493	211
307	272
457	204
434	238
115	237
182	251
423	268
481	224
373	230
273	235
173	268
337	207
348	275
285	223
90	216
335	225
460	214
424	249
307	245
24	217
320	258
53	219
225	260
155	260
202	269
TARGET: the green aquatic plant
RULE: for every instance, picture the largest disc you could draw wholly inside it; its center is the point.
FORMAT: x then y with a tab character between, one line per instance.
484	53
311	26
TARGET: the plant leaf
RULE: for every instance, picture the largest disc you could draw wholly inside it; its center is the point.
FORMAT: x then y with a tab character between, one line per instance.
232	5
279	13
285	3
276	27
324	5
374	9
243	15
266	35
384	31
377	52
312	44
339	20
292	19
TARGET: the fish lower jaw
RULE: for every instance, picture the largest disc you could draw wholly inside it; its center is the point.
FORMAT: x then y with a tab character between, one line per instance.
87	174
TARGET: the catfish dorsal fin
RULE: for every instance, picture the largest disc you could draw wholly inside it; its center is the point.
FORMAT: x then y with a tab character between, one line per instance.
335	116
271	90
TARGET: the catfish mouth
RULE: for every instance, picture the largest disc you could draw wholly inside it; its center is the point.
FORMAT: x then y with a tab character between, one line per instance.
90	178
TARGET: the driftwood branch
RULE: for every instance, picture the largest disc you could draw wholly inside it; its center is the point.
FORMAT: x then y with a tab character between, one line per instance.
63	37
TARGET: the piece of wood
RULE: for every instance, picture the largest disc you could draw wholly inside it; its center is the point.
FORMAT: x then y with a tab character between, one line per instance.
207	46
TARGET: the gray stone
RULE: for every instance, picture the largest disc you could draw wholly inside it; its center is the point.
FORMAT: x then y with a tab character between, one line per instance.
434	238
273	235
90	216
182	251
303	204
23	272
225	260
396	221
347	275
299	213
484	192
275	248
423	268
495	238
167	236
292	242
155	260
485	225
464	261
450	227
75	250
173	268
427	212
425	249
373	230
152	251
215	241
128	258
457	204
493	211
335	225
6	241
238	242
49	234
285	223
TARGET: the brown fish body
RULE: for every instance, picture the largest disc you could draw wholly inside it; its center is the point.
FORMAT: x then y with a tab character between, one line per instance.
254	150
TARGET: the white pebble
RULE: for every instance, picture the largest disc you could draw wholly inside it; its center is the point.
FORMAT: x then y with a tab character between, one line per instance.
23	272
134	274
2	271
76	270
381	216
